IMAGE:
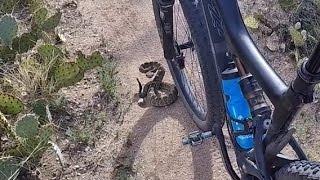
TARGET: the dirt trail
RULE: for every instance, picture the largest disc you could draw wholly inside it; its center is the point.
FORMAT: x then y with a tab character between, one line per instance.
154	149
157	132
147	145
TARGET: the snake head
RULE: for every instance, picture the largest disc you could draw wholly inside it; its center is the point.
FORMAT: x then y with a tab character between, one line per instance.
142	103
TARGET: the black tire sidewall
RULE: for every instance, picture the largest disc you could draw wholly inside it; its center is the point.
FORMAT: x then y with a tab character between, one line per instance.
215	114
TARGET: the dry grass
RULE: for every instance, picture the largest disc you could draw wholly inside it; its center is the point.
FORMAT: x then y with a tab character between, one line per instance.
29	79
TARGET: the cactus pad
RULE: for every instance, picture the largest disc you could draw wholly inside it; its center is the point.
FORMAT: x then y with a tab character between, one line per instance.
39	108
38	143
8	29
34	5
40	16
66	74
89	63
27	126
25	42
7	6
96	59
9	168
10	104
52	22
7	54
49	52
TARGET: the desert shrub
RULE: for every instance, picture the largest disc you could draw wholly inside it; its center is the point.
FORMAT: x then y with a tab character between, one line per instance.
32	71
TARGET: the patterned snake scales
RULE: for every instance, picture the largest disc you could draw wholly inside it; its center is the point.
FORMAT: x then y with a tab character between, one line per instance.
156	71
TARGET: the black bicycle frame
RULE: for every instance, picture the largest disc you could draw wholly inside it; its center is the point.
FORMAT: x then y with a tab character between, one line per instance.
227	29
287	100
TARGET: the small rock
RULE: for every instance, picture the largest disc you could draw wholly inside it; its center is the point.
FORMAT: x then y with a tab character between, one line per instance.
297	26
87	149
273	42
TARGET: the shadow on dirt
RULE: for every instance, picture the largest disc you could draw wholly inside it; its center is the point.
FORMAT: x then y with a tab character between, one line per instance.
201	155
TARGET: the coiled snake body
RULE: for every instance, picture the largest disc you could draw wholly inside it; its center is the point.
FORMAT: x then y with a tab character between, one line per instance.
150	92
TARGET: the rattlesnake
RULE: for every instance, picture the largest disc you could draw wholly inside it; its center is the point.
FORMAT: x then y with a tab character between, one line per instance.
150	92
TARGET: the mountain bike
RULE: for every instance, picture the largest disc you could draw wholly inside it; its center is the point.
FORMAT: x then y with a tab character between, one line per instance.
223	79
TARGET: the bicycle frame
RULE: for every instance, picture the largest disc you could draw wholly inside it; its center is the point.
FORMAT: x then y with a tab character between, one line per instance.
228	34
287	100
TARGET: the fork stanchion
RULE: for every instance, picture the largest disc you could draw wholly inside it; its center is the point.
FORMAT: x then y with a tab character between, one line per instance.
313	64
299	93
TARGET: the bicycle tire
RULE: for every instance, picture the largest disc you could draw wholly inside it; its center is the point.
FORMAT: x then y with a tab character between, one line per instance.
299	170
196	21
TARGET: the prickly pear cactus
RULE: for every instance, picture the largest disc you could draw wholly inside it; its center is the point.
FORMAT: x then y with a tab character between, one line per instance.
87	63
35	145
6	126
7	54
39	108
7	6
52	22
82	61
34	5
9	168
8	29
10	104
50	52
27	126
96	59
66	74
25	42
39	16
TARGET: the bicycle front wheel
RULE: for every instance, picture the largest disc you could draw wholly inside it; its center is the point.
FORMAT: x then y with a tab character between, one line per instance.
193	66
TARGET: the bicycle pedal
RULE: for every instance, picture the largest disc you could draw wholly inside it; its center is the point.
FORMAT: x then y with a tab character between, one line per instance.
195	138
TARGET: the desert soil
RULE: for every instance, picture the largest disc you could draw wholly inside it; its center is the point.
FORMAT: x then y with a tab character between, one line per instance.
145	143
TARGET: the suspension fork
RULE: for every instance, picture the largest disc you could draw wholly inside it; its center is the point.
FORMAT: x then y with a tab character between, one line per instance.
166	31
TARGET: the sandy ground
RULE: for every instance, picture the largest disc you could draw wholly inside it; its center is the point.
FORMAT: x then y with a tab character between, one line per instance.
147	144
155	150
